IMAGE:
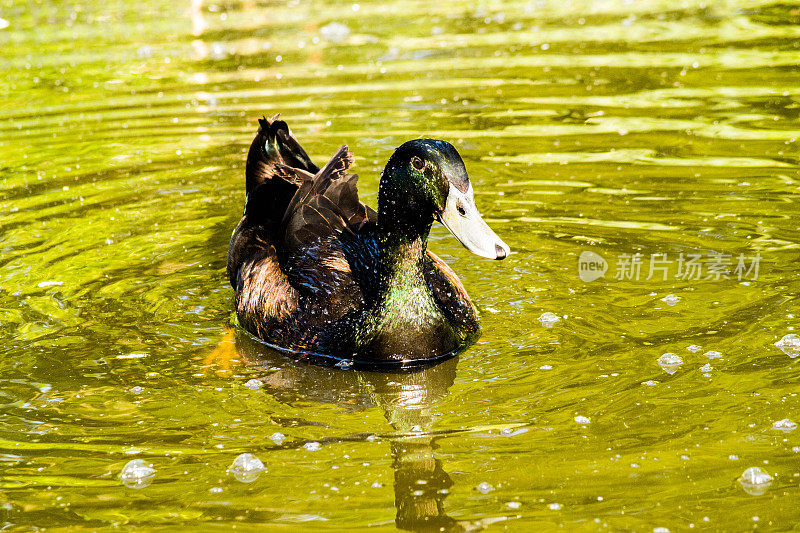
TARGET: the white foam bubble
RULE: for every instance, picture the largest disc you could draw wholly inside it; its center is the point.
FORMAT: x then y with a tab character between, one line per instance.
670	362
754	481
246	468
137	474
548	319
790	345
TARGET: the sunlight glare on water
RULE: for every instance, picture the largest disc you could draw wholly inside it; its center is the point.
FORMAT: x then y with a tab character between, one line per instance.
660	136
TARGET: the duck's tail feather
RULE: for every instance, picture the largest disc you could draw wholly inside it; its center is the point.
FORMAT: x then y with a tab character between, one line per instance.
282	140
275	153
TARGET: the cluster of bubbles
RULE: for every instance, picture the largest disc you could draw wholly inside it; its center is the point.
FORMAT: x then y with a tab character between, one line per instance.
754	481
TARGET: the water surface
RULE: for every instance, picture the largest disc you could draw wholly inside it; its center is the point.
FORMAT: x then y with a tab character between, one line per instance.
619	128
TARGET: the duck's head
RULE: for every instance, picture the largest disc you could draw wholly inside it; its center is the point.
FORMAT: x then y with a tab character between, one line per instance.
426	180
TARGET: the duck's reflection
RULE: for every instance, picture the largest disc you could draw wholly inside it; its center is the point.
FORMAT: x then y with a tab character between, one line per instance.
408	401
420	487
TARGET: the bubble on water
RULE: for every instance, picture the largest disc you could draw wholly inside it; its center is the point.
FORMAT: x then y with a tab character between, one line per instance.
510	432
246	468
670	362
660	530
733	457
754	481
277	438
789	344
376	485
145	51
50	283
784	425
554	506
548	319
580	419
650	383
712	354
706	368
513	505
137	389
484	488
137	474
344	364
334	32
670	299
694	348
312	446
254	384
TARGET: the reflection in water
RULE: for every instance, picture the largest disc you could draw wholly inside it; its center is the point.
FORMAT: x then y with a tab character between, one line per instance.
408	401
199	25
420	482
420	486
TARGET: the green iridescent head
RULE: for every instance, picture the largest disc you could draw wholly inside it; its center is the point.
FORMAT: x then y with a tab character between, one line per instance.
426	180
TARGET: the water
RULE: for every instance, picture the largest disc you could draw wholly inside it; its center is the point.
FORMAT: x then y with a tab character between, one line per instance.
614	128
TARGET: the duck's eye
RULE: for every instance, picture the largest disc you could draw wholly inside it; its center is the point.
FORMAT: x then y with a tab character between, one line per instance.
417	162
461	210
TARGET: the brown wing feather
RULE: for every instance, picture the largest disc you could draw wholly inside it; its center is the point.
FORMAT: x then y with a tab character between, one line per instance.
264	297
325	206
318	185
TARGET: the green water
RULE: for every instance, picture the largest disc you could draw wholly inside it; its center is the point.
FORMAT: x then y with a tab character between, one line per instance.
613	127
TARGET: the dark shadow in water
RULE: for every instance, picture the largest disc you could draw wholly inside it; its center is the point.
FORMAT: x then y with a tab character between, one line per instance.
407	399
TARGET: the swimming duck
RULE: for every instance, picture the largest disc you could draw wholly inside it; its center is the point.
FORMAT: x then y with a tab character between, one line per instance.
318	273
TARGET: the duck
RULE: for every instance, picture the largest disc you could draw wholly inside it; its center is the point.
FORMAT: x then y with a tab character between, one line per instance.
321	276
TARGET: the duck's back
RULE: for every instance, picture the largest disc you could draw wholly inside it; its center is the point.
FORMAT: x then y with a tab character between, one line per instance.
303	259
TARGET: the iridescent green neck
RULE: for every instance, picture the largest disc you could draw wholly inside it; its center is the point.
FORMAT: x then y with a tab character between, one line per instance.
400	262
404	222
403	296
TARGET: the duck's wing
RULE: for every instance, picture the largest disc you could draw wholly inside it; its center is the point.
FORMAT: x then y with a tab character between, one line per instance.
326	205
276	167
265	298
450	294
322	238
290	256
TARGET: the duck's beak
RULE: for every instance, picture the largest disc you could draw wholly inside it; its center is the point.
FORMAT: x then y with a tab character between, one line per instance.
462	218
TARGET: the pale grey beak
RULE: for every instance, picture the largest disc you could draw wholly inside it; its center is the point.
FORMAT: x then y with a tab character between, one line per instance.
462	218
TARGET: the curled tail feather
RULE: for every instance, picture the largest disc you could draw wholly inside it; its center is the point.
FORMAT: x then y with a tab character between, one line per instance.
274	153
